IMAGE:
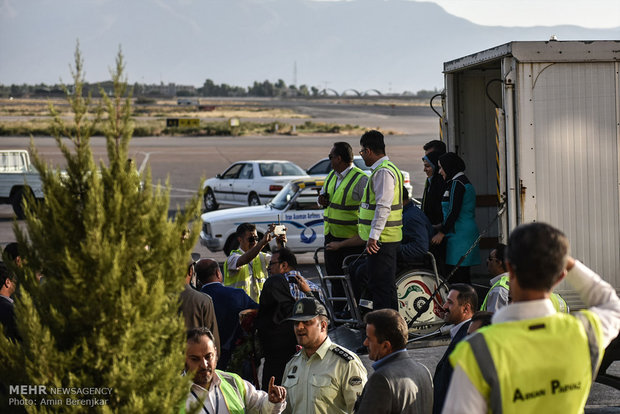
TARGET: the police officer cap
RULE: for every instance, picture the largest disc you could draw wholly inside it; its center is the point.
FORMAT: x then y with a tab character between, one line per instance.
306	309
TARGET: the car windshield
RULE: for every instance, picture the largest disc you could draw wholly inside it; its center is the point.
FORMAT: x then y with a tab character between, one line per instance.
284	196
273	169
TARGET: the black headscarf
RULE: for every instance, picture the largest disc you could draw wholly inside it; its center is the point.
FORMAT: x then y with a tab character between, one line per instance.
452	164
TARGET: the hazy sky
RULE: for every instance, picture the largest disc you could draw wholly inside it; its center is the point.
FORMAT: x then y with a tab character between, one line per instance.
585	13
239	42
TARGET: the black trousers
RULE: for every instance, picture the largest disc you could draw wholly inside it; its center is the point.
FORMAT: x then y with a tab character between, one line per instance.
381	276
333	266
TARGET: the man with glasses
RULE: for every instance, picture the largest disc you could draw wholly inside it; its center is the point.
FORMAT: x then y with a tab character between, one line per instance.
380	220
246	267
284	286
499	294
340	196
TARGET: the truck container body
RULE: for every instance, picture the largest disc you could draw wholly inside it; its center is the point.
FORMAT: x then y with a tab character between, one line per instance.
538	125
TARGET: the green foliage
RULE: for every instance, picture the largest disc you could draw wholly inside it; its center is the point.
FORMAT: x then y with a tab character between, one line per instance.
106	312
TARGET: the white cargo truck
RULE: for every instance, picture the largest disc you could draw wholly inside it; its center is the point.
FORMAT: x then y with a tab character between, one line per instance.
17	178
538	125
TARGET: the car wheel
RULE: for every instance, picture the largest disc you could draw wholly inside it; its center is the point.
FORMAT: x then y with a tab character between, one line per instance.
17	202
209	200
253	200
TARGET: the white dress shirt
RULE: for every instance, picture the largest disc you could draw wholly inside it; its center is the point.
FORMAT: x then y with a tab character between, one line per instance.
256	401
383	186
598	295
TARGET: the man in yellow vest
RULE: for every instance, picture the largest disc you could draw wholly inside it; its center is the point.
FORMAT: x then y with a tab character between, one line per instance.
380	220
499	294
246	267
533	359
216	391
341	195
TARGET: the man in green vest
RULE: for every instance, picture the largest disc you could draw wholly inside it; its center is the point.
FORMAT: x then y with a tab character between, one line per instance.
533	359
499	294
380	220
216	391
340	196
246	267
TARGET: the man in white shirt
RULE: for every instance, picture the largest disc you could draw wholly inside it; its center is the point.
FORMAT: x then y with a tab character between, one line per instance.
532	358
224	392
246	267
381	220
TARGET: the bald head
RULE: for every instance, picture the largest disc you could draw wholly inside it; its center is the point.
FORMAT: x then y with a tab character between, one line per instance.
207	271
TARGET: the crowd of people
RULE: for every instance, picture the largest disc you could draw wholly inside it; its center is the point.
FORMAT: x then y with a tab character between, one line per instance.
261	306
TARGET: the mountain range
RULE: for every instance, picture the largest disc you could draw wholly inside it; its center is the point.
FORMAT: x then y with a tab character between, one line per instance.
392	46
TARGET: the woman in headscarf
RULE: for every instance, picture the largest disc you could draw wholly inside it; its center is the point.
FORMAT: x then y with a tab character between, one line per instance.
459	227
433	188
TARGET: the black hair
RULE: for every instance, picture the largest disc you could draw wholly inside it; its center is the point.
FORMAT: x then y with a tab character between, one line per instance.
195	334
483	316
373	140
244	228
467	294
389	326
344	151
286	255
205	270
537	253
436	145
11	251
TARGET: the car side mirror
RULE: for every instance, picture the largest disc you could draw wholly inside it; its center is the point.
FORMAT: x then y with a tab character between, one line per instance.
218	176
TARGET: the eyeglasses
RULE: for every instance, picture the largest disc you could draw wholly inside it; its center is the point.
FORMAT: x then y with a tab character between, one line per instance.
362	150
253	238
330	156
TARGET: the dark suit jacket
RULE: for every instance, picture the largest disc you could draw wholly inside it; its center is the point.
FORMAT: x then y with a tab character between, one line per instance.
399	385
228	302
7	318
443	372
198	311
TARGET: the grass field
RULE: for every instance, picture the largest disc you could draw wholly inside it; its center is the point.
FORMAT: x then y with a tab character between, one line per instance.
32	117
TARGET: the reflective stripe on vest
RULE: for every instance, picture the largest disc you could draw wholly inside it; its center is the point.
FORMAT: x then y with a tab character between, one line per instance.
242	279
233	391
558	302
503	282
392	231
341	214
517	368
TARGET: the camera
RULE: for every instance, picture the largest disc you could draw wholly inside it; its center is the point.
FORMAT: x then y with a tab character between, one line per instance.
279	230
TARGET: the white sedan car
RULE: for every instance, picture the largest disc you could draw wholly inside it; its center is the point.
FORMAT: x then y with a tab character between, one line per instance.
249	183
295	207
322	167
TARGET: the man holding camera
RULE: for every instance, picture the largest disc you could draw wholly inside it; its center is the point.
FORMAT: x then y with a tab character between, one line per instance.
246	267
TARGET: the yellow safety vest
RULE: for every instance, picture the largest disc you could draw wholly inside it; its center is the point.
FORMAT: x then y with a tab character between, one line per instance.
233	391
518	367
393	227
558	301
340	216
242	278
